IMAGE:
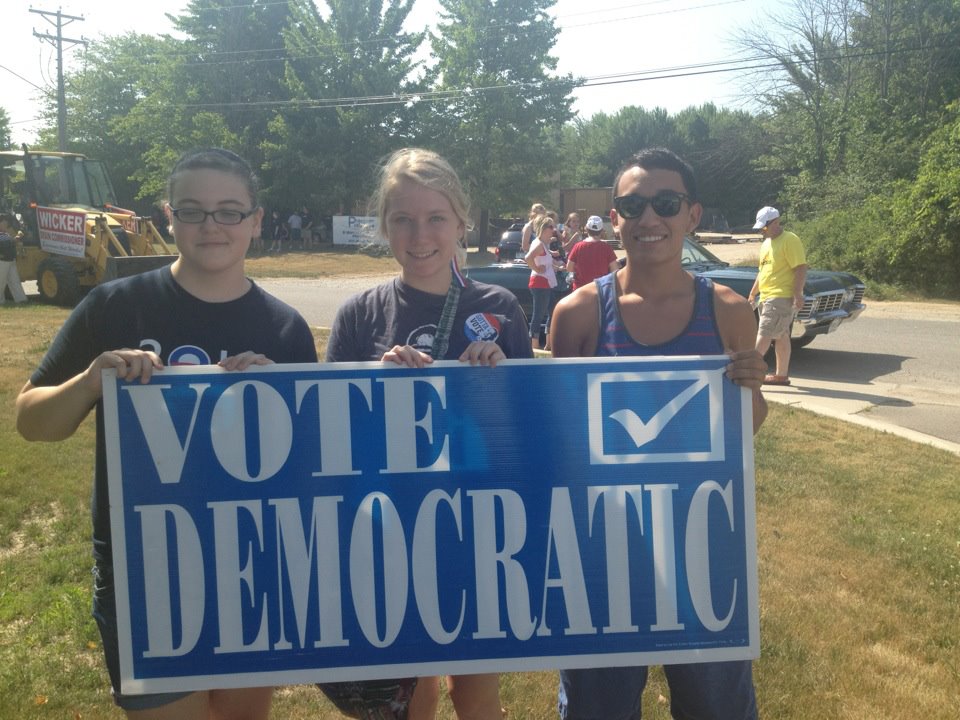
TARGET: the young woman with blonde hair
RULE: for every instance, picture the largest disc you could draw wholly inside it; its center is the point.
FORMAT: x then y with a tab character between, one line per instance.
429	312
536	210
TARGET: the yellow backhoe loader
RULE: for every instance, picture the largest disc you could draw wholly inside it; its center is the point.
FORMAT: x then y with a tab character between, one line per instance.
70	234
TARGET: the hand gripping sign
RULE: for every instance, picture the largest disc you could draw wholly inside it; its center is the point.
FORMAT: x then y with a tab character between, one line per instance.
299	523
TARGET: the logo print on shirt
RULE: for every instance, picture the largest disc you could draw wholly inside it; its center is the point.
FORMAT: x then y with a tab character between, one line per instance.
188	355
482	326
422	338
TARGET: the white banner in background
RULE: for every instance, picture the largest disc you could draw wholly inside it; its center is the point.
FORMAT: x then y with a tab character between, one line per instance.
355	230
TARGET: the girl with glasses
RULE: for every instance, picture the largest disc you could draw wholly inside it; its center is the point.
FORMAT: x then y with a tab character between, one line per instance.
203	302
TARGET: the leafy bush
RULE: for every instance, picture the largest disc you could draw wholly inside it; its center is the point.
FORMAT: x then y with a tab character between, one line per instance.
906	236
854	240
929	214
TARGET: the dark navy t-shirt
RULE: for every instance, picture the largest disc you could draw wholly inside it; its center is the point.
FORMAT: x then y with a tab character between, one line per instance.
151	311
393	313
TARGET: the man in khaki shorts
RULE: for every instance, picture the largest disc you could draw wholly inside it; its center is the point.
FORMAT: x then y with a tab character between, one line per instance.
783	270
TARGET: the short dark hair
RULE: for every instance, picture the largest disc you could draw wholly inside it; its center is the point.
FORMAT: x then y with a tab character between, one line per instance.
216	159
658	158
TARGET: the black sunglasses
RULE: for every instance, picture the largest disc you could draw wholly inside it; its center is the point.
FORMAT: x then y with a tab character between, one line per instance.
665	203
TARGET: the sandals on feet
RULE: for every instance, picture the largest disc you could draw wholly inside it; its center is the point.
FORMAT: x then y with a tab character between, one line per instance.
776	380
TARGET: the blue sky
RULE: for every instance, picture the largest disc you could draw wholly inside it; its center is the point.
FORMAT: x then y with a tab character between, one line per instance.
649	53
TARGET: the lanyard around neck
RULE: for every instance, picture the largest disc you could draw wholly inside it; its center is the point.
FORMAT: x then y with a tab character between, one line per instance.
441	340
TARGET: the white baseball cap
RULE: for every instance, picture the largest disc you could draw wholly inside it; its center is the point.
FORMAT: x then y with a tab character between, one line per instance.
765	216
594	222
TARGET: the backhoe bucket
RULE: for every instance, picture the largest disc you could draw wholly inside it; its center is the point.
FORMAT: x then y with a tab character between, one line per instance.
118	267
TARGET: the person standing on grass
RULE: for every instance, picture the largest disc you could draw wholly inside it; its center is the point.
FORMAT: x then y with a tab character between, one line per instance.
783	272
307	219
652	306
430	312
203	301
9	276
592	257
278	232
295	224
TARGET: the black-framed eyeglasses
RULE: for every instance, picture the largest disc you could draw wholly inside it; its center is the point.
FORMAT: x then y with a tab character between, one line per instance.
665	203
196	216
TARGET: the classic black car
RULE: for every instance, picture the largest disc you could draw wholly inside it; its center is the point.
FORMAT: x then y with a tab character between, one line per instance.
831	298
508	248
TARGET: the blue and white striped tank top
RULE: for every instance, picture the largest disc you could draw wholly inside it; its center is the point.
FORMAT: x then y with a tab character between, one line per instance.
700	337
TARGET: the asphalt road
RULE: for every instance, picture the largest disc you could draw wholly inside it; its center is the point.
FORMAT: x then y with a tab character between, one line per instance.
895	368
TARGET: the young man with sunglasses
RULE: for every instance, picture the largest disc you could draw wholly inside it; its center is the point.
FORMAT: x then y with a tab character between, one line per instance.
652	306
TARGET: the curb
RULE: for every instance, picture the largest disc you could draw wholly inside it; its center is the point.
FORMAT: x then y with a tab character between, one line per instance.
858	419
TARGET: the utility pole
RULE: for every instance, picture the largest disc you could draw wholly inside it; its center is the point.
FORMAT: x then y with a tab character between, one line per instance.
58	40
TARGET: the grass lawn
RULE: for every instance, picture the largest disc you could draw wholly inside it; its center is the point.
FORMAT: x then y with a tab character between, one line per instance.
859	548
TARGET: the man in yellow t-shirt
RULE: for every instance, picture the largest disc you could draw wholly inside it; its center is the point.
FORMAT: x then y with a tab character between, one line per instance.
783	271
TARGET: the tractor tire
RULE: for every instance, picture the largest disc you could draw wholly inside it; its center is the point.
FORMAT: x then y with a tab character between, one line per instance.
58	283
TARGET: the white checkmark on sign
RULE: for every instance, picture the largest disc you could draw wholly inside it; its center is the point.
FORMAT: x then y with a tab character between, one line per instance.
643	432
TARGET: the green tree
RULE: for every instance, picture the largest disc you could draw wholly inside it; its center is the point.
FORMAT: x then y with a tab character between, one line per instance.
857	88
910	71
724	146
167	133
499	109
929	210
117	73
6	139
233	64
809	90
347	74
604	142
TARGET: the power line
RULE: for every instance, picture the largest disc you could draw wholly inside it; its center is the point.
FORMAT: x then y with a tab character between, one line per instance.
57	41
18	75
756	62
379	42
24	122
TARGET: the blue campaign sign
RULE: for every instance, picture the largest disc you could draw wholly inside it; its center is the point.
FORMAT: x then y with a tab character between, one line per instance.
298	523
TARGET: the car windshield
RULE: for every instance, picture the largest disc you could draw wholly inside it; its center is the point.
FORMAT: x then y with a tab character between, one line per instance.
695	254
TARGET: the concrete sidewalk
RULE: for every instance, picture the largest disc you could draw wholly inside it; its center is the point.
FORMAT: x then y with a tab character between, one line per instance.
835	400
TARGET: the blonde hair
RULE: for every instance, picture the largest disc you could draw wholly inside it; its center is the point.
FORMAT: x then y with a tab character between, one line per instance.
535	210
430	170
539	222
